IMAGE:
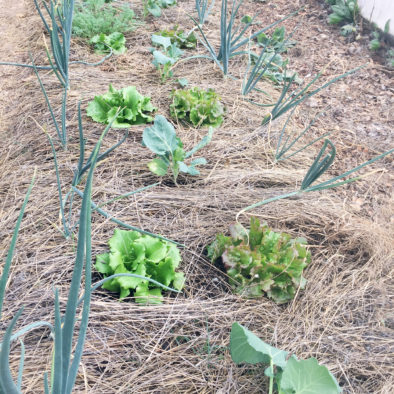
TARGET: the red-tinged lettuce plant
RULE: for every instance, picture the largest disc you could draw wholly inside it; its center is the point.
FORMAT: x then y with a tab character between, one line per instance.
144	256
262	261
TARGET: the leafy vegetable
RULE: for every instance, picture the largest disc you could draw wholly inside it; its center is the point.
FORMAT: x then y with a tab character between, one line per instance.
135	108
154	7
343	11
197	106
102	43
162	140
134	253
180	38
276	41
95	17
292	376
163	61
262	261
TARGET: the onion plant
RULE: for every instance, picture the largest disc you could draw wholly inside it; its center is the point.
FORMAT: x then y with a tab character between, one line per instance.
287	102
287	140
203	9
65	360
320	165
232	37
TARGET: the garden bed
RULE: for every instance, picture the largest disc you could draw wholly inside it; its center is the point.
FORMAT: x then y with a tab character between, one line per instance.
343	317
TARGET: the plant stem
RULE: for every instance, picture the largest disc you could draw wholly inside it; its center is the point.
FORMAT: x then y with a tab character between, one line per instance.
271	377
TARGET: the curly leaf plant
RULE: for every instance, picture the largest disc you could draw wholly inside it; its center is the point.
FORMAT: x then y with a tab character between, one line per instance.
262	261
144	256
197	106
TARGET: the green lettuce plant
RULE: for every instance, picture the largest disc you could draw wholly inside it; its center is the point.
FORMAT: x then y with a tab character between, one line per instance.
103	43
286	375
343	11
134	107
197	106
262	261
143	255
162	140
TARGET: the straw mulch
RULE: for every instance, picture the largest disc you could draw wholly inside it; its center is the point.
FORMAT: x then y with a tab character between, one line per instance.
344	316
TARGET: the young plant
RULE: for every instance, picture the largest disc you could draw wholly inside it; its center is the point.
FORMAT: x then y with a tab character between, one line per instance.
378	38
343	11
203	9
231	37
164	59
289	375
103	43
197	106
142	255
162	140
276	41
180	37
95	17
262	261
154	7
287	102
134	108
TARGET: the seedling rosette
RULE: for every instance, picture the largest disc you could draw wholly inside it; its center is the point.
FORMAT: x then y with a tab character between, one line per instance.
134	253
262	261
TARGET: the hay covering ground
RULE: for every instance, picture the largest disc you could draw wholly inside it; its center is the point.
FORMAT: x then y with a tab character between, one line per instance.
343	318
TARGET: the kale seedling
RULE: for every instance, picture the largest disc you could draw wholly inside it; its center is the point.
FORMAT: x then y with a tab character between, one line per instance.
165	58
197	106
180	38
291	375
262	261
103	43
162	140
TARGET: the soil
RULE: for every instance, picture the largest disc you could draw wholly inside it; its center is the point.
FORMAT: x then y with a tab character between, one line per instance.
343	317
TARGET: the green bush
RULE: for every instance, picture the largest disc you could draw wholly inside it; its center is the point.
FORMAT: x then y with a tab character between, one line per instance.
93	17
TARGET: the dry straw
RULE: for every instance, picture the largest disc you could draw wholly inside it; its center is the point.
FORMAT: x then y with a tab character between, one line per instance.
342	317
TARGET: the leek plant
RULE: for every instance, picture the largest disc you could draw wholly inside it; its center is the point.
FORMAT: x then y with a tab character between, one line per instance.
65	361
320	165
203	9
287	140
232	37
253	75
287	102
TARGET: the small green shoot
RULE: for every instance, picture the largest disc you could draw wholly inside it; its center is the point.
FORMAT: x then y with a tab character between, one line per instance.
154	7
203	8
179	37
162	140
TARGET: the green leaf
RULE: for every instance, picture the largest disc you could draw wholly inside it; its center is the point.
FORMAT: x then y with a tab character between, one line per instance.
102	263
179	281
247	347
165	42
160	138
307	377
158	166
144	295
183	82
